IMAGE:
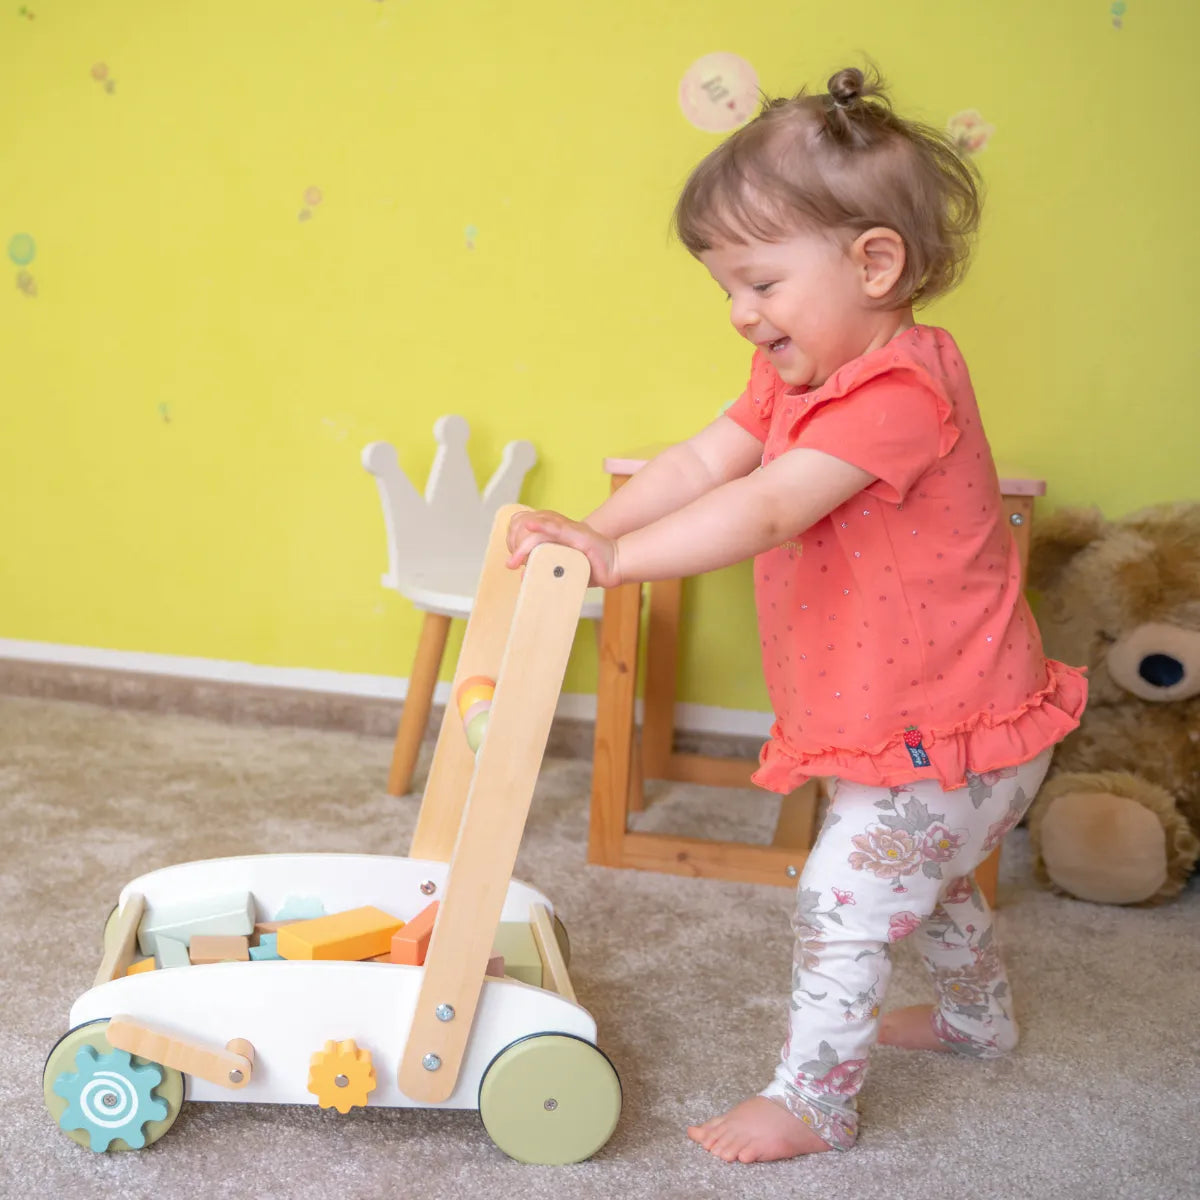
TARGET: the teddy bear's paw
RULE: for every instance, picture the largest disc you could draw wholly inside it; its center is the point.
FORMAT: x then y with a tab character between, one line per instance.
1104	847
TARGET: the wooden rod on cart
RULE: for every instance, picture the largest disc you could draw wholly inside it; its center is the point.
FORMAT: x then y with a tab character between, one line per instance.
228	1068
119	953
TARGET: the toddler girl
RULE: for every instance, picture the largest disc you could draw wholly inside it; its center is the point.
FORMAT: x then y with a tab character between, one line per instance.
901	659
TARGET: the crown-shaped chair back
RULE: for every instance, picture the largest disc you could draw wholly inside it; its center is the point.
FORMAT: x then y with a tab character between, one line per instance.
443	535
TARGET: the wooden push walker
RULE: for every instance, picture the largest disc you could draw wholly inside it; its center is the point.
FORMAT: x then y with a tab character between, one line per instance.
331	1019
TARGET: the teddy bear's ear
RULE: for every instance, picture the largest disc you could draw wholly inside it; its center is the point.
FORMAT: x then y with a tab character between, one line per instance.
1057	538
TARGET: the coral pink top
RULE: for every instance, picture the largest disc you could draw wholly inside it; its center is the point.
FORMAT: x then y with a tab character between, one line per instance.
897	643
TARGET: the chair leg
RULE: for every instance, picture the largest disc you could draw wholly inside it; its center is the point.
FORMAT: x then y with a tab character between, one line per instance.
414	716
798	817
637	776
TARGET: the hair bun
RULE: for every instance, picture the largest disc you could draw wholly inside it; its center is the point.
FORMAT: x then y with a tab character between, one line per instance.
846	86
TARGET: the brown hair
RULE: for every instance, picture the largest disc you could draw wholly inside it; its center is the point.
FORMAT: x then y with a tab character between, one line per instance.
842	161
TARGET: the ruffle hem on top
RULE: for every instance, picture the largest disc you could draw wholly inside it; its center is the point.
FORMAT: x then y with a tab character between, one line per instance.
984	742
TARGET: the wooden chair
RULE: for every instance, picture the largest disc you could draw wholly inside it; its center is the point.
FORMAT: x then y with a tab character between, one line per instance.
436	545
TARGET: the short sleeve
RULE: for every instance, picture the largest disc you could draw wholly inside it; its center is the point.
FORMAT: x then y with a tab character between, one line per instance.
895	426
752	409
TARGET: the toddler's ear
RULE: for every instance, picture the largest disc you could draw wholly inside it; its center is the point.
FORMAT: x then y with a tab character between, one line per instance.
880	256
1057	538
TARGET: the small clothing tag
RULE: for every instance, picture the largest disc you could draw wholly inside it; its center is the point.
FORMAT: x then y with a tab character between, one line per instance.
912	739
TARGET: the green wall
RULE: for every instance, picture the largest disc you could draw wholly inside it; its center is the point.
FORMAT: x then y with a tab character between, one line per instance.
201	345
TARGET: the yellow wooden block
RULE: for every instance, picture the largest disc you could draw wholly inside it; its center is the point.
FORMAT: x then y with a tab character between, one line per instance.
356	934
142	966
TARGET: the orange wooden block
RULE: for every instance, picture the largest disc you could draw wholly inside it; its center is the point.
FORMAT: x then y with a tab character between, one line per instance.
142	966
411	943
356	934
218	947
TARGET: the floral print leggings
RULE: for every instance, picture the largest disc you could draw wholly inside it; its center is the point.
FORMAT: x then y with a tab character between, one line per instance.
892	863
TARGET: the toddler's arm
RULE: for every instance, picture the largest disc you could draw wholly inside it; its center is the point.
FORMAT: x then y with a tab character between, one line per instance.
725	524
671	480
741	518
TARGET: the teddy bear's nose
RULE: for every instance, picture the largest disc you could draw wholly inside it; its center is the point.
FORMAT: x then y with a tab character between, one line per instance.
1161	670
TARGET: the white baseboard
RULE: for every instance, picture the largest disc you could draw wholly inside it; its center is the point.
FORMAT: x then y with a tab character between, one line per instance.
695	718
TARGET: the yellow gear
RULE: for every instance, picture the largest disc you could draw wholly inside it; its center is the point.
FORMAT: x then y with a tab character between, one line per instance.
341	1075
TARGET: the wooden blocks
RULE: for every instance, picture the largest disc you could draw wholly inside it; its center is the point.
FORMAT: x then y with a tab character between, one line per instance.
216	947
514	940
223	914
172	953
141	966
261	927
266	948
411	943
300	908
356	934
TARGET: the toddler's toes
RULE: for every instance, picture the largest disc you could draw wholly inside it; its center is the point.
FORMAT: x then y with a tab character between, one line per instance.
707	1134
757	1130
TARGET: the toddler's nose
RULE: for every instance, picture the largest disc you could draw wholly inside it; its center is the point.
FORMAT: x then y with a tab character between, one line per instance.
744	318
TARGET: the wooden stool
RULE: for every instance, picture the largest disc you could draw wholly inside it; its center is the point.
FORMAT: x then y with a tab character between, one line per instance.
621	764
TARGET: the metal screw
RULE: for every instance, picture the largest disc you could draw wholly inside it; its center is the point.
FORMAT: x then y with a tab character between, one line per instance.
431	1062
235	1076
550	1105
341	1081
444	1012
1016	519
558	572
791	871
429	887
110	1099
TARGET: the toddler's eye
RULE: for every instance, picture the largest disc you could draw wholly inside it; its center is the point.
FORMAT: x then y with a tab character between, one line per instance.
763	288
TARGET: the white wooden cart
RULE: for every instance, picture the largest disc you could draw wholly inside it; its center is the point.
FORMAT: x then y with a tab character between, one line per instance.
442	1035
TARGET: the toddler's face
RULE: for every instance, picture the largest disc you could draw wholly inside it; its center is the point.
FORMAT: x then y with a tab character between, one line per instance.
801	301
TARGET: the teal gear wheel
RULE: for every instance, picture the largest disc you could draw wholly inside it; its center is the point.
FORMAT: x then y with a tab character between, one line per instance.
109	1101
109	1098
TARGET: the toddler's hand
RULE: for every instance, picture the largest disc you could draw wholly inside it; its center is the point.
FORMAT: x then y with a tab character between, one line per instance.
529	529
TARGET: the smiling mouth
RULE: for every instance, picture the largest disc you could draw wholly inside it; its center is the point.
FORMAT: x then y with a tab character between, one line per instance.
778	344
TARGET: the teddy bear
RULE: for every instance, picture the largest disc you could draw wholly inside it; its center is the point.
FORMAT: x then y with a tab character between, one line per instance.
1118	818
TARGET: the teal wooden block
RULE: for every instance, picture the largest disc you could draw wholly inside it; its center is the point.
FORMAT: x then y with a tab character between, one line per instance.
266	947
300	908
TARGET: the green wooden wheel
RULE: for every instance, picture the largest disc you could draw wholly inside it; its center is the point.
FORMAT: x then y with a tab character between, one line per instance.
111	1100
564	942
110	925
550	1098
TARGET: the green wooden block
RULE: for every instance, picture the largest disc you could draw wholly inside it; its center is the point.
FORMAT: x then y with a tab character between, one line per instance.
233	914
514	939
172	952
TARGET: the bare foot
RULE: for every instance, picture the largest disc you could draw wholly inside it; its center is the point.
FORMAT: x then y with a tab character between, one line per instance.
911	1028
757	1130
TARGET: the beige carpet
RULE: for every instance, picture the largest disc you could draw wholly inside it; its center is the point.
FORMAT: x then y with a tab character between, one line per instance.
686	980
